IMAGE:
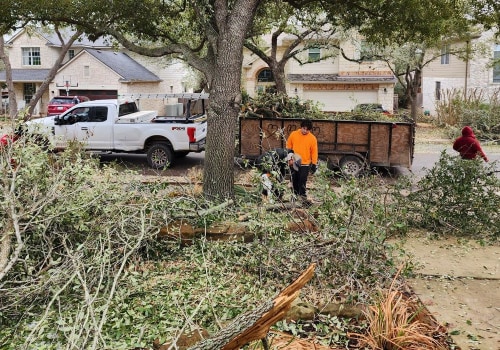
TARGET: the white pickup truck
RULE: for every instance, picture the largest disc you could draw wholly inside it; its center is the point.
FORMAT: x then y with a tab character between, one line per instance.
111	126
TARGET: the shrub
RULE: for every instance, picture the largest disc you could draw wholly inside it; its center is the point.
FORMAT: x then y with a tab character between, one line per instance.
457	196
479	110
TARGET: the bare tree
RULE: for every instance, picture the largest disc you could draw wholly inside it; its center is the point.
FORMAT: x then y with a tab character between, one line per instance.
8	77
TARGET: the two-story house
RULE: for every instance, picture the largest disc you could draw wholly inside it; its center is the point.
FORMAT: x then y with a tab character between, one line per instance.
336	83
450	74
92	69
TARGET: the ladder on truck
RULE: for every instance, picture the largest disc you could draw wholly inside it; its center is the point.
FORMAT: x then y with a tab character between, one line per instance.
188	96
185	95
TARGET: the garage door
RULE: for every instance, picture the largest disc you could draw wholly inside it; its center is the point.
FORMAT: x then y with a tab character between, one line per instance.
92	94
341	101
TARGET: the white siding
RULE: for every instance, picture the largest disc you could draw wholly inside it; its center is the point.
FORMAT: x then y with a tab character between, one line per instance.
456	75
341	101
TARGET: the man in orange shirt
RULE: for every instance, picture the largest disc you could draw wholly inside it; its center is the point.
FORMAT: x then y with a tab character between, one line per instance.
305	144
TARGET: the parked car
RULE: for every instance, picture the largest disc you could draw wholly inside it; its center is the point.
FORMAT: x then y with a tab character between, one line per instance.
370	108
60	104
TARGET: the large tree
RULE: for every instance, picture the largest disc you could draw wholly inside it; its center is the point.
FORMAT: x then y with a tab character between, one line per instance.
209	35
8	23
66	43
486	13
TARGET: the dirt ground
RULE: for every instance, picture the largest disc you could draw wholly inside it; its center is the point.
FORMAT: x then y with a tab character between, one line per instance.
459	282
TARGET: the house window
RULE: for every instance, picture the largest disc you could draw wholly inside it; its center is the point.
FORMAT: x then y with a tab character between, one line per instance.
28	92
71	54
496	66
31	56
265	76
314	54
438	90
445	54
86	71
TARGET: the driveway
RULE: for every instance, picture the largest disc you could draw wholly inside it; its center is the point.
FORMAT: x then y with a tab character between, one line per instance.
459	283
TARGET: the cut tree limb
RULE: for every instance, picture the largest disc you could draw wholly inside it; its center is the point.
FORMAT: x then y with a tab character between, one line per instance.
255	324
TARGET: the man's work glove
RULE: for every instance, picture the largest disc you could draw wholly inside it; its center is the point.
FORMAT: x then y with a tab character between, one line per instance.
314	168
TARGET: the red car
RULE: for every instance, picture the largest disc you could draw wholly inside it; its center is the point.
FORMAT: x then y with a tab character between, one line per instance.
6	139
60	104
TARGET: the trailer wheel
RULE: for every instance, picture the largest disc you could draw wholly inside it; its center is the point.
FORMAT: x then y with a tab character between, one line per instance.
159	155
351	166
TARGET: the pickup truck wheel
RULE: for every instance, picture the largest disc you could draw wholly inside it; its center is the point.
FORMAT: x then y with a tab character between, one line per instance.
159	155
351	166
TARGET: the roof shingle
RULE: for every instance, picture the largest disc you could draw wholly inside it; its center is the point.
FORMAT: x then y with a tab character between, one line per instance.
129	69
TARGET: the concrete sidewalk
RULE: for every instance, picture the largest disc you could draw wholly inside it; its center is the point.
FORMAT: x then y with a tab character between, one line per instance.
459	282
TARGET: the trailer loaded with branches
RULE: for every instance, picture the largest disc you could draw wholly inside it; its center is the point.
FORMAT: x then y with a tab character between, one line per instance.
348	145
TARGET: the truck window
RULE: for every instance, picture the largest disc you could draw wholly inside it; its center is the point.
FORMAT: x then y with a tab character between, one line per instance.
98	114
127	108
77	115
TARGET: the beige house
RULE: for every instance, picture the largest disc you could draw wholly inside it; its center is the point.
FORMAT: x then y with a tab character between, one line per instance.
91	69
336	83
450	73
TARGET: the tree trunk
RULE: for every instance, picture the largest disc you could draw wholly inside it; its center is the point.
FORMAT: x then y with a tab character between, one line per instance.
8	80
279	77
221	125
225	99
415	89
413	84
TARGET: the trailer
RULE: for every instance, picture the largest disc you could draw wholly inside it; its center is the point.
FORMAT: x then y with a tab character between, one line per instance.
348	145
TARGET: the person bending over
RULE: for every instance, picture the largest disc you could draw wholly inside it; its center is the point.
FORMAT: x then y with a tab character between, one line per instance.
468	146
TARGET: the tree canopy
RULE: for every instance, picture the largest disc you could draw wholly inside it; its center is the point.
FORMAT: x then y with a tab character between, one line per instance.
304	28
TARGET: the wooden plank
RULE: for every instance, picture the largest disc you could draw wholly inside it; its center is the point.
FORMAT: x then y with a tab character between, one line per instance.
272	134
250	137
379	144
400	146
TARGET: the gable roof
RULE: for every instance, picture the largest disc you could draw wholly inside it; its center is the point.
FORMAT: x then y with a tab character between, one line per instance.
53	39
122	64
82	41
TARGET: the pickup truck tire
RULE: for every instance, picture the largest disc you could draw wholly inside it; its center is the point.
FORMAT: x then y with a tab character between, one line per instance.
351	166
159	155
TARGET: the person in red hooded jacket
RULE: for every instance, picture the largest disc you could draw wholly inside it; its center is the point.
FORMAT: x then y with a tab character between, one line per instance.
468	146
